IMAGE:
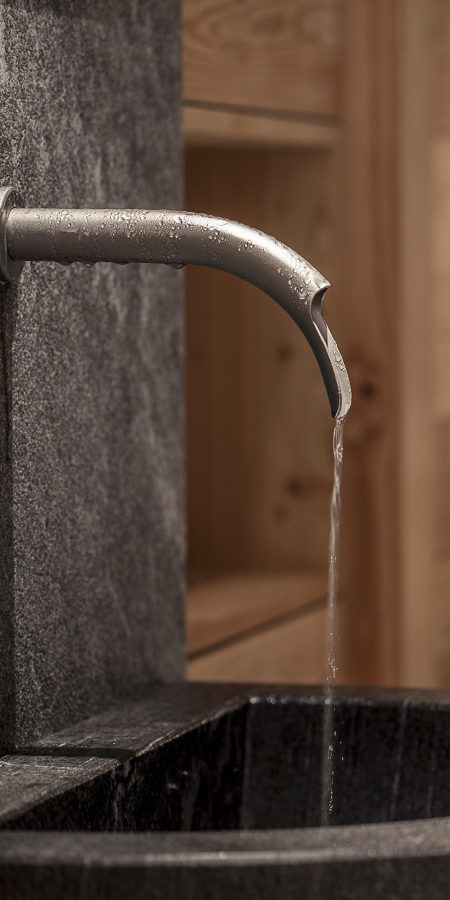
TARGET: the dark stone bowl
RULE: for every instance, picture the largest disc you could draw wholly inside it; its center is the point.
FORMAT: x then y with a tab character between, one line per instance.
214	791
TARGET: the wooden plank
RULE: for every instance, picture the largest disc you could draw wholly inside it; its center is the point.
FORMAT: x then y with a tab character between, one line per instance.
396	563
440	307
416	352
367	332
213	127
258	424
271	54
290	653
388	504
440	264
226	607
437	35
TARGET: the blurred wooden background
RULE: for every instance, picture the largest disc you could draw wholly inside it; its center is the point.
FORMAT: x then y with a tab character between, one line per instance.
327	124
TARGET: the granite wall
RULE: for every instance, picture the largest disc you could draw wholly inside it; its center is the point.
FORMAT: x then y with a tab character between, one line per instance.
91	430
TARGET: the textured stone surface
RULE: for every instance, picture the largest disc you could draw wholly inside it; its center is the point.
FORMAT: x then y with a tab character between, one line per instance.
183	760
355	864
204	757
91	431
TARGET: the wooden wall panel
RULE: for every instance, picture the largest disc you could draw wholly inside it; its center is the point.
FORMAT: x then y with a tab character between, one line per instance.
281	55
367	333
440	307
287	653
389	498
225	608
240	128
387	78
417	663
259	428
437	37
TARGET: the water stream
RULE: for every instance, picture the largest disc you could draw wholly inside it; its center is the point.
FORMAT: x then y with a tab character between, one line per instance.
328	748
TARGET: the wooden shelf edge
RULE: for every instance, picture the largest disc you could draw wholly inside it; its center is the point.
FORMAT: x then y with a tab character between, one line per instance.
290	652
228	607
208	127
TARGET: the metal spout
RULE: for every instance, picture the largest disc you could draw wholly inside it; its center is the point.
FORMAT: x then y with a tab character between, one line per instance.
177	239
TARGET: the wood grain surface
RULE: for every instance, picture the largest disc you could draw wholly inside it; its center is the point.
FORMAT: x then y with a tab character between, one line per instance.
226	128
258	423
417	651
391	89
228	607
439	608
292	652
367	333
279	54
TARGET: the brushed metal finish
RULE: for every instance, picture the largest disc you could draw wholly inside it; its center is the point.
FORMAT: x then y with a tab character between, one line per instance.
178	238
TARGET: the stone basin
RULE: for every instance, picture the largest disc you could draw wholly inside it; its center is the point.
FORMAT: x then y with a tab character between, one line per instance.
213	791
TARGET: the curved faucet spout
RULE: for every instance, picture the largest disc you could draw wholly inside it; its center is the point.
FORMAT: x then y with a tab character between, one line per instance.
177	239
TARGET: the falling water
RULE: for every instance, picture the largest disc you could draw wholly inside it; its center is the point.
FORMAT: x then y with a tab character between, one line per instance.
330	657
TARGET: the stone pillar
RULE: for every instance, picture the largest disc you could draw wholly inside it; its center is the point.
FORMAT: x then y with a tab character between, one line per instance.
91	423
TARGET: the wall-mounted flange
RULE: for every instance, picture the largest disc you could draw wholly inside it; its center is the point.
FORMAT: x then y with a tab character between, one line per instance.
10	269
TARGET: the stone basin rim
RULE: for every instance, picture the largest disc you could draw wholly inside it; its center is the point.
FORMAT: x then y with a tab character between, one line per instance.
174	710
422	838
